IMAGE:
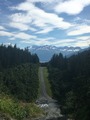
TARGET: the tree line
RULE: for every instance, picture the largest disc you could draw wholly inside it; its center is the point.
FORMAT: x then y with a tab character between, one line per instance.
19	73
70	84
11	56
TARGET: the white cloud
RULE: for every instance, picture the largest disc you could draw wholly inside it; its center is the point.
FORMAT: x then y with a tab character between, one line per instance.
78	41
72	7
2	28
20	35
21	18
62	42
45	1
24	36
40	18
49	3
7	34
80	20
79	30
84	38
20	26
21	21
33	42
39	41
50	41
81	43
71	42
45	31
47	39
37	20
46	4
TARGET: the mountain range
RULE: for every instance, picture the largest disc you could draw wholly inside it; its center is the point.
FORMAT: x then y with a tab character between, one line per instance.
46	52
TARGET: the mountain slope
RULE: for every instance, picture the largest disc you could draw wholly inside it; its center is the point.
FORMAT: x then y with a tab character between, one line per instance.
45	52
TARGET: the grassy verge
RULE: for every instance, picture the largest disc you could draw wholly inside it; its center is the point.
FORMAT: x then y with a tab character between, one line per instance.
48	86
10	108
39	89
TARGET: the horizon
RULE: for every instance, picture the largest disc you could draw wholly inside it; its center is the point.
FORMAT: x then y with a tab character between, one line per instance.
57	23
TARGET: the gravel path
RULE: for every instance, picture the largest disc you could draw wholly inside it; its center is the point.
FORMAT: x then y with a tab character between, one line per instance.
52	111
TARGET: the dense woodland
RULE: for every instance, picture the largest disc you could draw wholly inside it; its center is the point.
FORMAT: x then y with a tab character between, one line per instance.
70	82
19	73
11	56
69	78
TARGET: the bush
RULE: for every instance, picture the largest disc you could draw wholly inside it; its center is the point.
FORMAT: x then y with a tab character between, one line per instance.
18	110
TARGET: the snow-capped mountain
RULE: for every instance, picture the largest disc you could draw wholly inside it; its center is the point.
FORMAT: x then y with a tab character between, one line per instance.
45	52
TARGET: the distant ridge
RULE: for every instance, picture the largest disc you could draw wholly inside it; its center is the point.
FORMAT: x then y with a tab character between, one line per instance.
45	52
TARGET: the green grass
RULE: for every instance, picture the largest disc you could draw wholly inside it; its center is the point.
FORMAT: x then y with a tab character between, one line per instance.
39	93
9	108
47	83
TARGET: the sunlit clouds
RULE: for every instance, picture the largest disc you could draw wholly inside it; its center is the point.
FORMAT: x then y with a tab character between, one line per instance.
45	22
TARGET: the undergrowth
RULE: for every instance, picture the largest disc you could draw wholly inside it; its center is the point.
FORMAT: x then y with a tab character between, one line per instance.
18	110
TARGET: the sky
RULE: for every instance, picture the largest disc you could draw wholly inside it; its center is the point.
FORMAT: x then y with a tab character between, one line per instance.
45	22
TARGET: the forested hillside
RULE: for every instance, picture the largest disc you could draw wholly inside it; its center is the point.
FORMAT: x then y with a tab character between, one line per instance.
18	73
11	56
19	83
70	81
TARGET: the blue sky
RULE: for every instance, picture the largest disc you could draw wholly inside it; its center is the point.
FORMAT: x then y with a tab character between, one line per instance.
45	22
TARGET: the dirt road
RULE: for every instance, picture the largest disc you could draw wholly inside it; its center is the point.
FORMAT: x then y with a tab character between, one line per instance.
43	91
49	105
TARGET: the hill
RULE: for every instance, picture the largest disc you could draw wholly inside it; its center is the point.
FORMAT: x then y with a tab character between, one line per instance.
70	81
45	52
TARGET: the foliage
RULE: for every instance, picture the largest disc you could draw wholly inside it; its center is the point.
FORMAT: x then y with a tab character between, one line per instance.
11	56
18	72
18	79
21	82
13	109
70	81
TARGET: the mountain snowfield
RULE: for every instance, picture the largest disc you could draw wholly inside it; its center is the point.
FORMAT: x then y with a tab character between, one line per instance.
46	52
